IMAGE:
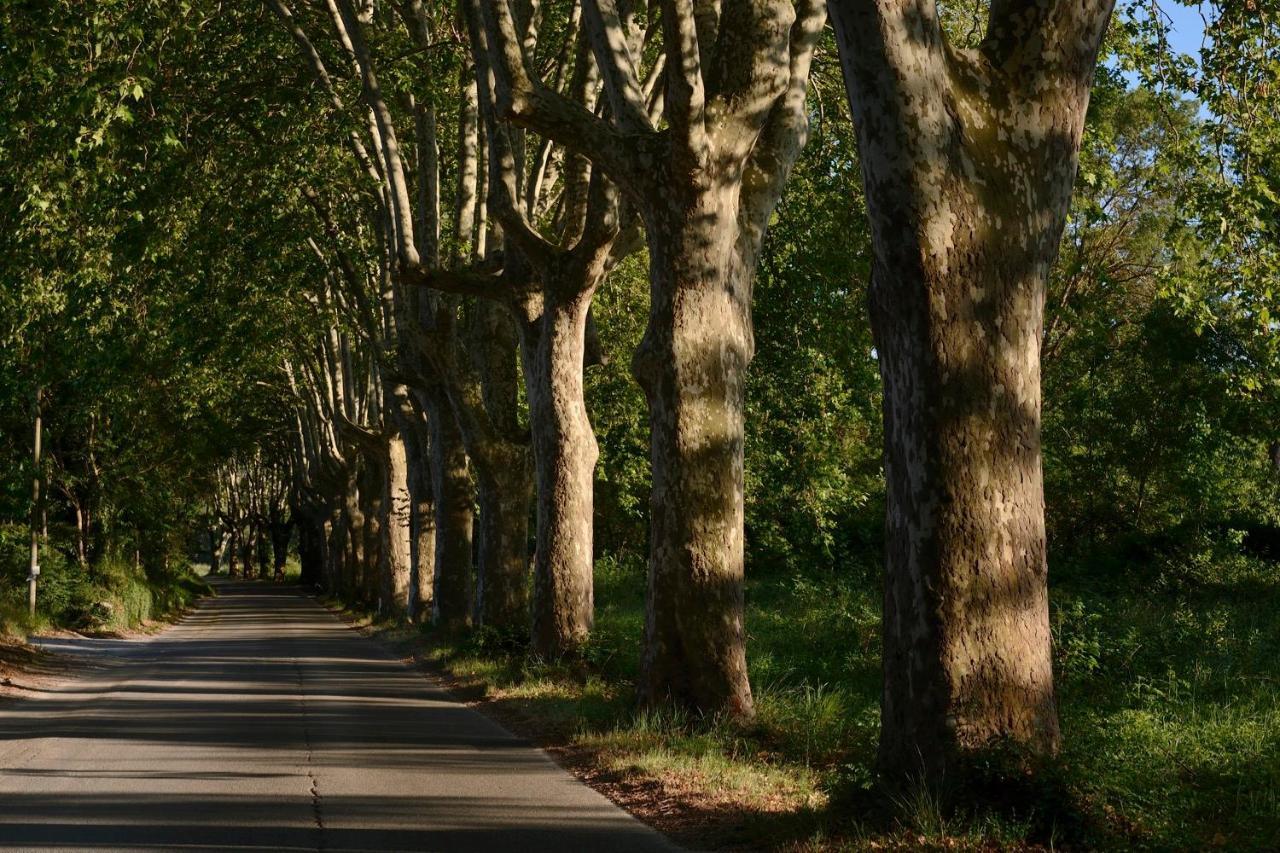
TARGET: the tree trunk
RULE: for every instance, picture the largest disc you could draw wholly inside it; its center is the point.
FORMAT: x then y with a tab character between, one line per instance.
217	544
246	553
233	550
451	485
504	489
310	546
375	565
82	537
692	365
395	588
281	533
422	530
968	161
966	614
487	408
353	553
564	453
264	552
335	547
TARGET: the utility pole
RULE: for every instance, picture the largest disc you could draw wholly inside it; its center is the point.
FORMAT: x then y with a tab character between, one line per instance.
37	515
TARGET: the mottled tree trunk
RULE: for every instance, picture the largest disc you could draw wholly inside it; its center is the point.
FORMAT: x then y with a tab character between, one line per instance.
504	489
692	364
968	160
705	180
217	545
414	428
451	486
353	553
395	587
422	533
281	533
374	566
504	477
335	550
564	454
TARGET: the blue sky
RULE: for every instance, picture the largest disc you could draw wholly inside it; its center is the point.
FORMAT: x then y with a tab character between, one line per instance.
1186	29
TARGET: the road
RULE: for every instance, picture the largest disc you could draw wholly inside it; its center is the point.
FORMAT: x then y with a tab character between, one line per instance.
262	722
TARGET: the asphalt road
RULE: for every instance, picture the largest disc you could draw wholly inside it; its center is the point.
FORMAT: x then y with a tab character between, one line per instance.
262	722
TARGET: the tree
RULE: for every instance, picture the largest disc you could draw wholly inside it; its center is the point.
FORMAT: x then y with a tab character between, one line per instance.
968	160
705	187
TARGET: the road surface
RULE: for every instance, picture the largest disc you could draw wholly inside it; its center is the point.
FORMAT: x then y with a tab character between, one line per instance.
262	722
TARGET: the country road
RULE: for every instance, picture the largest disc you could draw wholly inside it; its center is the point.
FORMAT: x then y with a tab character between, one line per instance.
262	722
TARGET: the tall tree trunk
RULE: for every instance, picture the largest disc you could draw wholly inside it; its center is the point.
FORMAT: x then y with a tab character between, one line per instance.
217	543
281	533
374	567
454	514
504	489
422	531
335	549
353	552
395	590
486	402
233	550
706	181
565	454
82	538
263	548
246	553
692	365
968	161
311	548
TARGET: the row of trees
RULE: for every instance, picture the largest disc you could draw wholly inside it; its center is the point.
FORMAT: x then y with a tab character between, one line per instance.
361	255
575	126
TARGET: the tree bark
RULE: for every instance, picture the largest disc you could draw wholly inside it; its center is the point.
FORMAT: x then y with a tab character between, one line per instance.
565	454
263	550
484	397
454	514
414	427
353	552
281	533
735	119
504	489
968	160
692	365
233	550
395	591
310	546
374	567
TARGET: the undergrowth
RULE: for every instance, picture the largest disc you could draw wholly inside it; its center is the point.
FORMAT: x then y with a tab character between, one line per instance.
1167	677
113	594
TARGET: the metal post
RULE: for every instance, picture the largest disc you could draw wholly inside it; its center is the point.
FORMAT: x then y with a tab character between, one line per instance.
36	516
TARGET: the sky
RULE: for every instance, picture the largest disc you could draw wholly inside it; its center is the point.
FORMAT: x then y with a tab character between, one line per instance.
1186	29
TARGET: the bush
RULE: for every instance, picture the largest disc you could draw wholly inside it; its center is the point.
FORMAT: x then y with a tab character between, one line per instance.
112	595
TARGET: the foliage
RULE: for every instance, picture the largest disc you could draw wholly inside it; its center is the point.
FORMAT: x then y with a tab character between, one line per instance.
156	276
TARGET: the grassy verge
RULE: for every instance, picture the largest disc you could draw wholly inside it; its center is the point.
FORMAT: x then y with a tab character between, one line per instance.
1169	684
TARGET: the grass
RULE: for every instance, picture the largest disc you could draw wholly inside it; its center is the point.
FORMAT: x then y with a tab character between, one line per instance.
1169	687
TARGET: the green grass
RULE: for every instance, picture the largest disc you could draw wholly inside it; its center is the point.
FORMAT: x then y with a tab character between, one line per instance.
1168	679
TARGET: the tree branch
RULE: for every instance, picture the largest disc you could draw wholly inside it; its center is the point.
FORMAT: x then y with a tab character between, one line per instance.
607	33
525	100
